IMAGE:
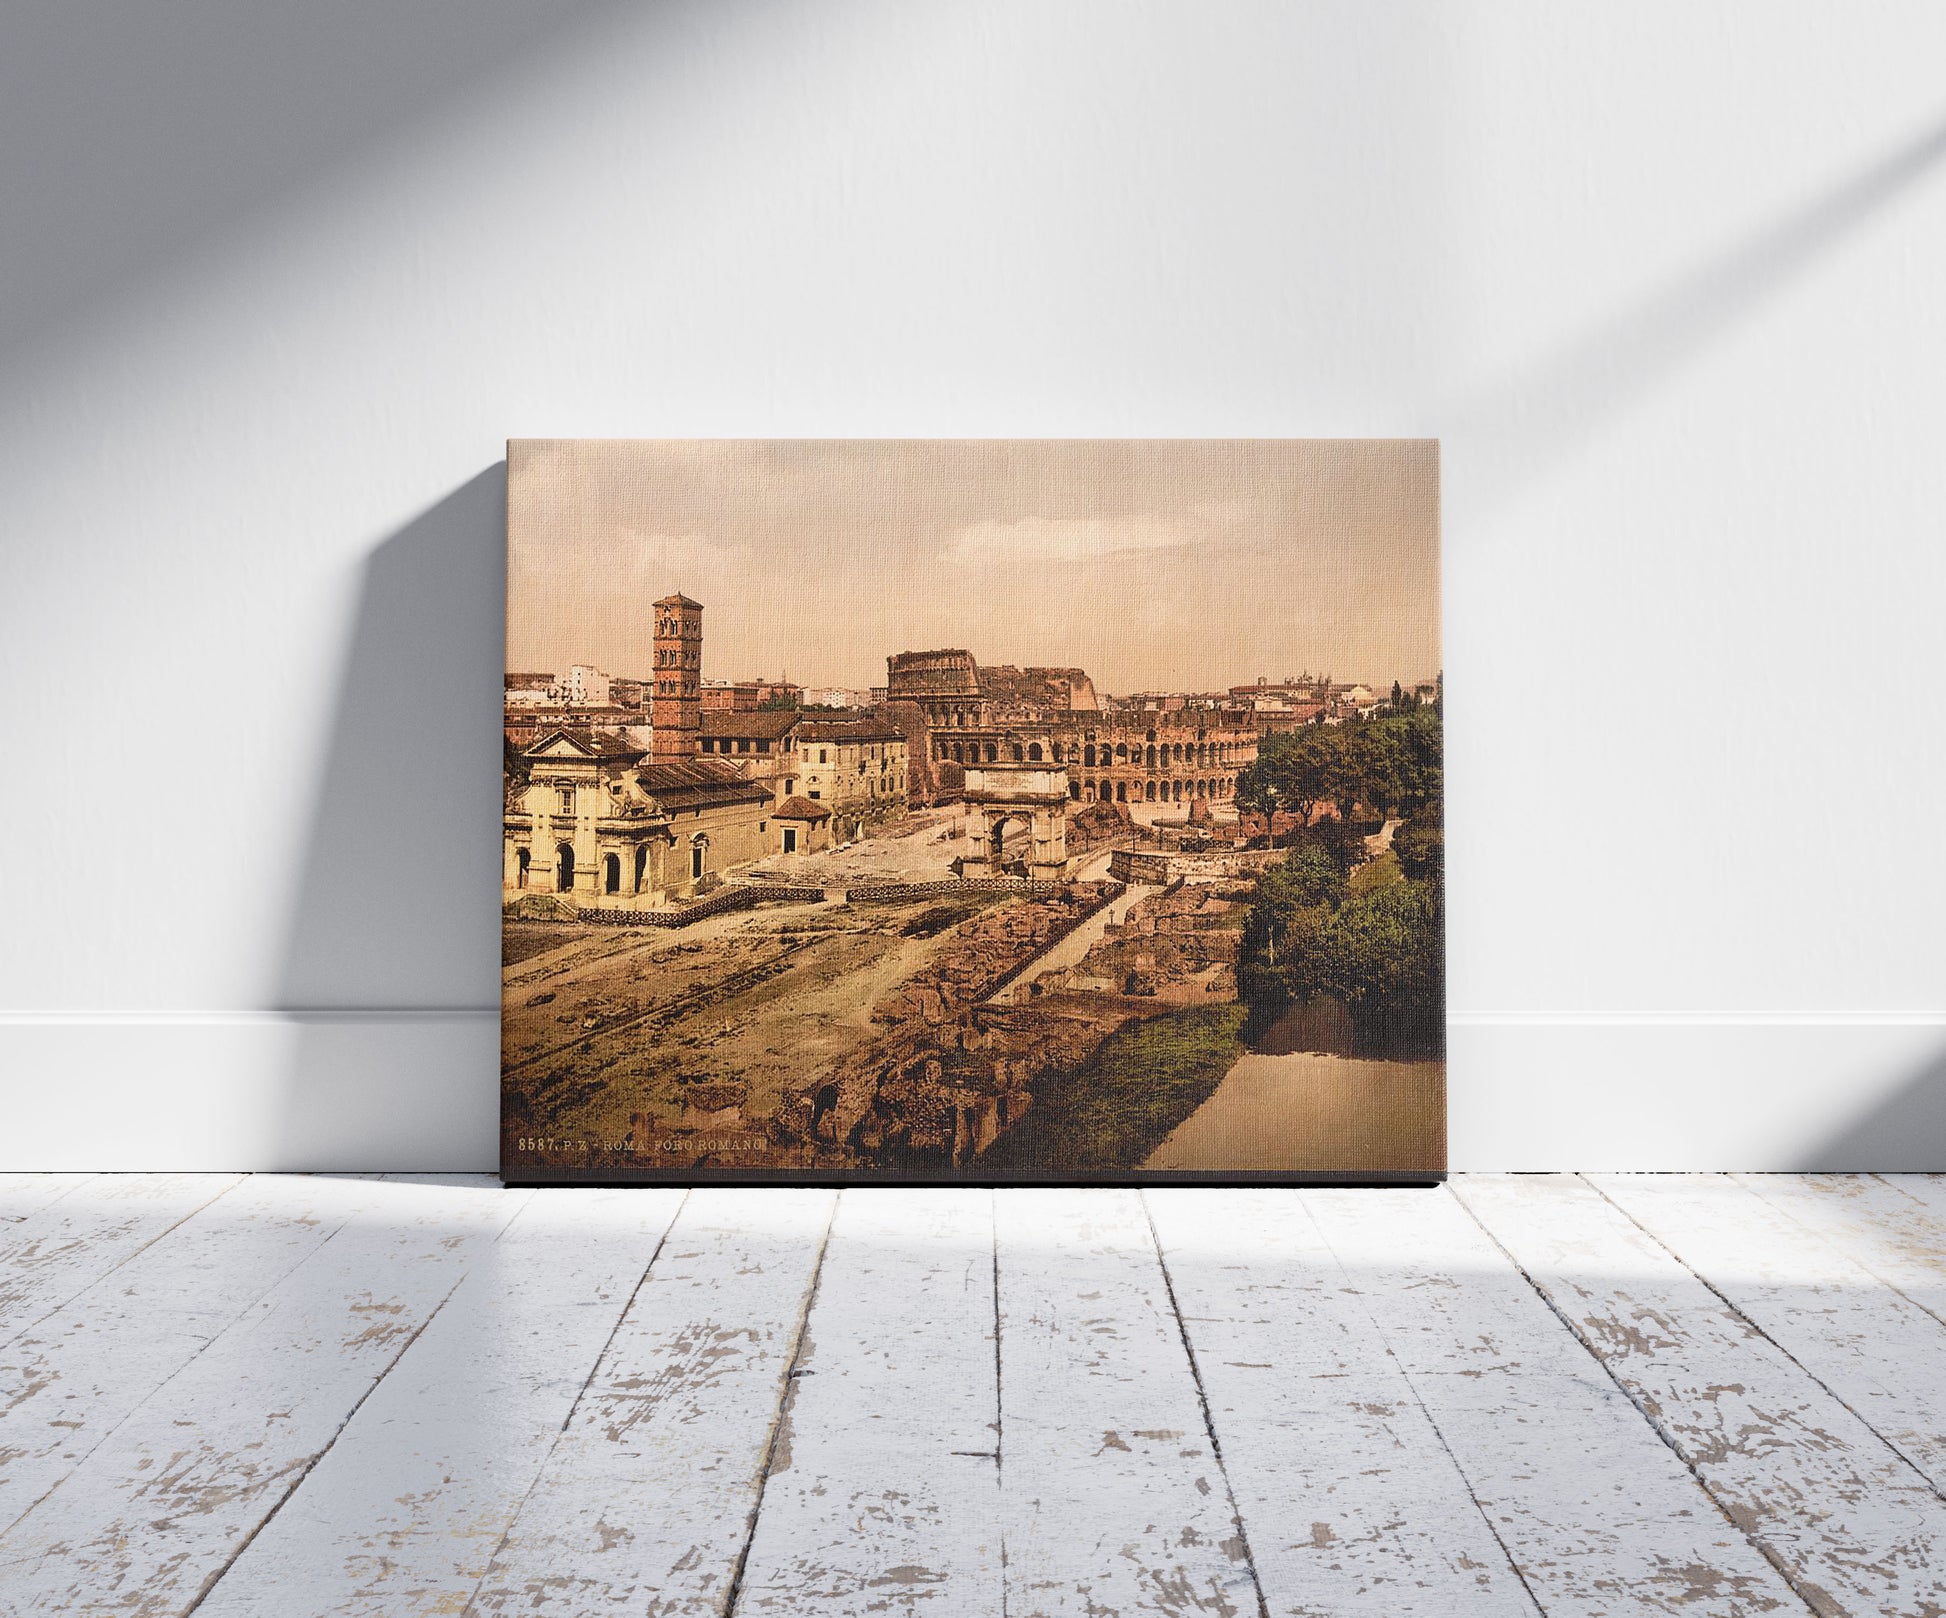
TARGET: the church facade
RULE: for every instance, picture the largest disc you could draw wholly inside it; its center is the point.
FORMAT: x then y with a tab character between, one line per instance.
594	819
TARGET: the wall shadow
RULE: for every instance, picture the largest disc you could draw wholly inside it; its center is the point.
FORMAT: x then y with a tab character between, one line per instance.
134	138
391	961
1548	409
1905	1134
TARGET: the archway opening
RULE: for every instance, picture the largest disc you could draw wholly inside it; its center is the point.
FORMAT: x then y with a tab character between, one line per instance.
611	873
522	860
564	868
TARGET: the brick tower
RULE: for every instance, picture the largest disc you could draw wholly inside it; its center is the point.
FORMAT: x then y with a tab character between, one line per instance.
676	715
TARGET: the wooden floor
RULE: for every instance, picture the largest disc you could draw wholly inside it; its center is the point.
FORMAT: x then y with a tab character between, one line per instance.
1564	1395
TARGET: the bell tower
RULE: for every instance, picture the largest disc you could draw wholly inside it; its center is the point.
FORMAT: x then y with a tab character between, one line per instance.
676	713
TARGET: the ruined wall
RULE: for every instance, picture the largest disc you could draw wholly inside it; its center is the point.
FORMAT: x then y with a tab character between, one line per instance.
962	1060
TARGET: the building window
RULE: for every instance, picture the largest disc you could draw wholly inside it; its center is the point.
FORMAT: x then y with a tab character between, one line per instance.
816	793
565	797
824	756
697	850
522	860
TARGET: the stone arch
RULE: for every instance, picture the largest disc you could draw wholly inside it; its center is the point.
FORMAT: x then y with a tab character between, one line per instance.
641	866
996	834
611	873
1040	807
1101	792
1121	752
993	753
1088	756
1150	759
1148	792
1034	754
1178	792
564	867
523	861
1121	792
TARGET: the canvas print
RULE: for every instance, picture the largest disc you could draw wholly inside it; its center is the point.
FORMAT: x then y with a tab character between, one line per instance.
975	811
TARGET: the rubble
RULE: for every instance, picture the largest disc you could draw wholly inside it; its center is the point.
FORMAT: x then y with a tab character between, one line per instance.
952	1070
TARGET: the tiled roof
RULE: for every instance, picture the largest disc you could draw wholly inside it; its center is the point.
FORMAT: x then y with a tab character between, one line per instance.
699	783
767	724
802	808
610	744
677	600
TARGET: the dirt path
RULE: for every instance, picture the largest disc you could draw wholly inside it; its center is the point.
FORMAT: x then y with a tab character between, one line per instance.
1069	951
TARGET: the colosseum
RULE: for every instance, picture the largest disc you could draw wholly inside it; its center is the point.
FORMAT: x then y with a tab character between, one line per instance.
973	715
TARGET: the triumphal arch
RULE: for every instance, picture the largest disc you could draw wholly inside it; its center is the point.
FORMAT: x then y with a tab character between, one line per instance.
1036	795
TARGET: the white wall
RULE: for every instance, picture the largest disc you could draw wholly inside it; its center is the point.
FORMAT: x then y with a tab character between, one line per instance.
1665	278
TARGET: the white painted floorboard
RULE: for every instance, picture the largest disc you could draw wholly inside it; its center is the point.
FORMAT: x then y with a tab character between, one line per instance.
1354	1504
647	1501
1557	1395
406	1510
884	1490
1596	1511
1846	1517
1113	1497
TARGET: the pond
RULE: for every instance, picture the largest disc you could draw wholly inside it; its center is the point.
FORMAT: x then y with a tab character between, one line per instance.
1286	1108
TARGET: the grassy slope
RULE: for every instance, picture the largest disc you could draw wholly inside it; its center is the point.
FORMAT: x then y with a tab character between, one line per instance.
1144	1080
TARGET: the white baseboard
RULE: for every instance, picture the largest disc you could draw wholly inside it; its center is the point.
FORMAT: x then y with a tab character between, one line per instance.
1730	1091
251	1090
419	1090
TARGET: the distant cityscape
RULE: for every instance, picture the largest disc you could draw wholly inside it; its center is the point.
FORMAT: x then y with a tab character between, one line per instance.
633	790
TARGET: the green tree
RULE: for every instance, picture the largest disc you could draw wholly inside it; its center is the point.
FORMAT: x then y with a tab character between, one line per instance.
1420	845
1384	951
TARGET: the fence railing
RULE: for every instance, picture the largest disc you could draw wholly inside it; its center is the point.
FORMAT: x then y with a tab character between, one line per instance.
740	896
900	892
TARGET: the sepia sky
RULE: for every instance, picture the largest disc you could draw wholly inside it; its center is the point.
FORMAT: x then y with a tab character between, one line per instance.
1154	565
